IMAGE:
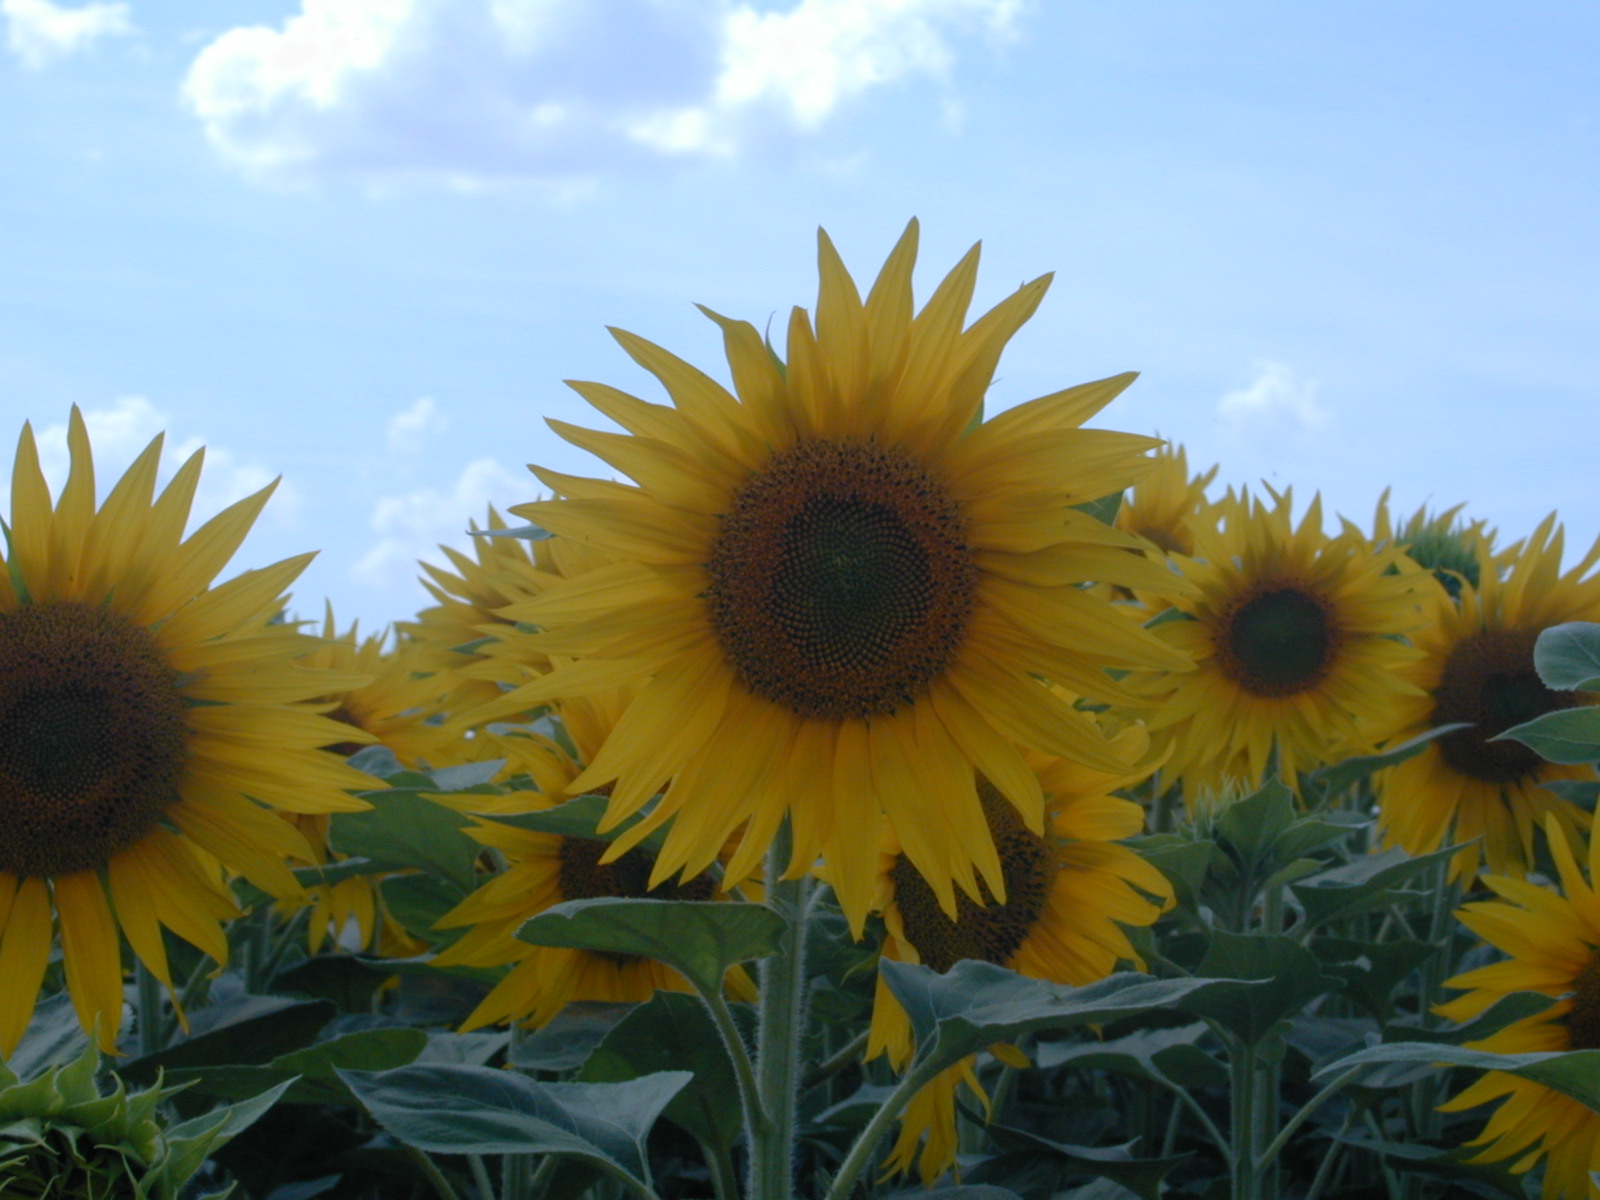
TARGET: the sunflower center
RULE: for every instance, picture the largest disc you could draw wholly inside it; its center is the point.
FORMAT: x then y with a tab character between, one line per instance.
1489	681
991	932
1583	1022
1277	642
92	737
840	580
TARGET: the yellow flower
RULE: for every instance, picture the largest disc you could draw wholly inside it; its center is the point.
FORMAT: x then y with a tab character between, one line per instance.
836	589
1477	667
1438	542
545	869
1069	893
149	725
1296	640
1164	506
1554	943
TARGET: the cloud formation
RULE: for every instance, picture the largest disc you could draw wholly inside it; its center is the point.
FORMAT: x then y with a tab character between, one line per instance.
412	526
1278	403
119	432
411	427
40	33
469	91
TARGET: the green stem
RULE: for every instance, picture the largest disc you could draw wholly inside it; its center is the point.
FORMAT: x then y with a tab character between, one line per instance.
724	1178
782	1008
1205	1121
861	1153
538	1182
842	1058
480	1176
152	1022
1246	1156
750	1096
1325	1168
431	1170
1334	1087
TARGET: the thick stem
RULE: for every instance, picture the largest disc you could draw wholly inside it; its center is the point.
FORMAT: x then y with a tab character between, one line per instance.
1246	1147
861	1153
782	1009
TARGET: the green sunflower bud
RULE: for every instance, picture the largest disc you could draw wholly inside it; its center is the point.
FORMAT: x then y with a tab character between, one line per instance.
64	1137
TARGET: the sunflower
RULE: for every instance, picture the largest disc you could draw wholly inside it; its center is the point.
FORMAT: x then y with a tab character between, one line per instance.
545	869
1296	640
1069	892
1439	542
1477	668
149	723
1163	506
836	589
1553	939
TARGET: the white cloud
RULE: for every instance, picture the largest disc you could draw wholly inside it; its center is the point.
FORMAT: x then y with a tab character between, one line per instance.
119	433
40	33
410	428
410	527
467	91
1278	403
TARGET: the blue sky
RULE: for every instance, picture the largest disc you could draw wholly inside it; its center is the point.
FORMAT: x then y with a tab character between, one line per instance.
359	243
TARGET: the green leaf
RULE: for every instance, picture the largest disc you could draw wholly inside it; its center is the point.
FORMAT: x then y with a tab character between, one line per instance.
1141	1176
1366	883
1371	970
1574	1073
193	1141
700	939
54	1037
253	1031
1168	1056
1104	509
312	1071
1568	735
1515	1006
528	533
417	901
962	1191
1340	775
349	982
567	1040
578	817
477	1110
1250	826
405	829
1567	657
976	1004
1183	862
1286	978
673	1032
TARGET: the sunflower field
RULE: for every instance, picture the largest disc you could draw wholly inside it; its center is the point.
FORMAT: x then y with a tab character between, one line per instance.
854	796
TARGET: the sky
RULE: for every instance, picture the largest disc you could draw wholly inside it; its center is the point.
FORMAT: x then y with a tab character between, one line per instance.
359	244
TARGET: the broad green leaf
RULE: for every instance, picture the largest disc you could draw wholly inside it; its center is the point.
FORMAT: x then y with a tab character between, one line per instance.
1568	735
1371	970
404	829
477	1110
1585	793
467	777
54	1038
1168	1056
1340	775
1369	882
1183	862
1492	1181
1516	1006
528	533
700	939
1567	657
674	1032
579	817
1574	1073
1141	1176
312	1071
193	1141
976	1004
253	1032
566	1042
1287	977
416	902
1104	509
348	981
1249	827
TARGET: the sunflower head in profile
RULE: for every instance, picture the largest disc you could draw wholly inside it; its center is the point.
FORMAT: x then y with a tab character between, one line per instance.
1296	635
1165	506
1439	542
1477	669
149	724
545	869
1069	893
1553	940
837	588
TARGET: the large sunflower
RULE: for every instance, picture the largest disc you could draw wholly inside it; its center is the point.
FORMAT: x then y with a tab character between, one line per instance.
1554	943
1296	636
1069	893
149	722
1477	667
837	588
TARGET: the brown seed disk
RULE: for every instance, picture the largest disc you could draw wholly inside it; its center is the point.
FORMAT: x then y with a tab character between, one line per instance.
1489	681
93	738
1583	1022
1277	639
584	877
840	580
990	932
